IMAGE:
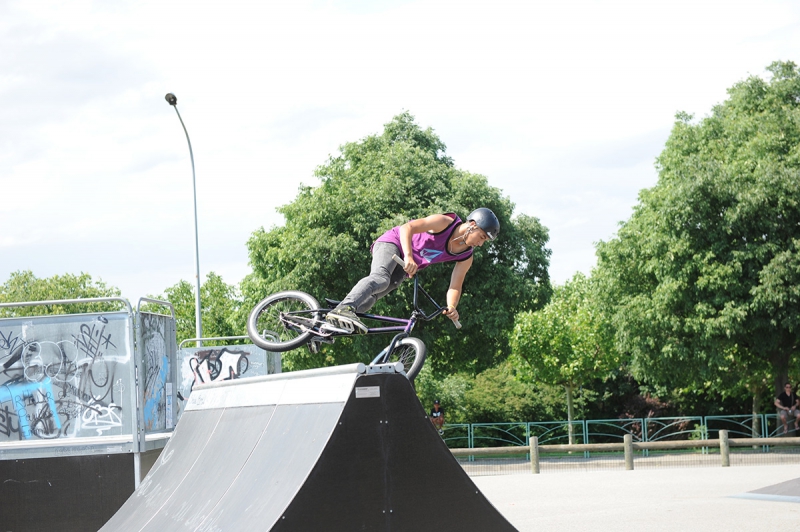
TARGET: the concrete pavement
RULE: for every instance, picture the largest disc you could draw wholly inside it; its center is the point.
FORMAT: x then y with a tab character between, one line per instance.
682	499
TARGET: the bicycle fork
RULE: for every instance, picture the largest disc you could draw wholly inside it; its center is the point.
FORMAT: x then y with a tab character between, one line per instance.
383	356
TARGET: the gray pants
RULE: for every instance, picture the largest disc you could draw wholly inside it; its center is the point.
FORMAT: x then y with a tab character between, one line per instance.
385	275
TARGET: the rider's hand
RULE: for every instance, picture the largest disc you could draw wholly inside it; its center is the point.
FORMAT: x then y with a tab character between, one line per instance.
410	266
451	313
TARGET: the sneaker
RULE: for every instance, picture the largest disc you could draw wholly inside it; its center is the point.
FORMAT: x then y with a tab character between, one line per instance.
344	316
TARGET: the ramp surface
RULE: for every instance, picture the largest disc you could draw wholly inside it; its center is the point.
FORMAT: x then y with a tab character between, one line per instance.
788	491
332	449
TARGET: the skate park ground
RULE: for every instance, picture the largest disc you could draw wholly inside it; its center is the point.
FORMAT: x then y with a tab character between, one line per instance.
682	499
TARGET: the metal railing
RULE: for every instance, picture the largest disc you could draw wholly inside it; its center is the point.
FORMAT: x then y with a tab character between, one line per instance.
628	446
61	302
212	339
596	431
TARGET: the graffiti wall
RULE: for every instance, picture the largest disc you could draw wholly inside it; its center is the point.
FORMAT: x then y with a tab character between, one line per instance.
65	376
158	352
209	364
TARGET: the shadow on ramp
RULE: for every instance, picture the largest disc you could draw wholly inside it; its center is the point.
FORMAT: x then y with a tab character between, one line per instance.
332	449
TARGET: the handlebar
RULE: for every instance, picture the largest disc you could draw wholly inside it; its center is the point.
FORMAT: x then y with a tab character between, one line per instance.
400	261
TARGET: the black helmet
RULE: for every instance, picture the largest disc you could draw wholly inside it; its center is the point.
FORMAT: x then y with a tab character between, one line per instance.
486	220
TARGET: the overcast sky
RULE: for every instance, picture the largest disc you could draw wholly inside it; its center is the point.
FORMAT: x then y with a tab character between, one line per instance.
562	105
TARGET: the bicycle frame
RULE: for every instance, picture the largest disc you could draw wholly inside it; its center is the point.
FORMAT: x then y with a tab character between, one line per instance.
416	314
401	326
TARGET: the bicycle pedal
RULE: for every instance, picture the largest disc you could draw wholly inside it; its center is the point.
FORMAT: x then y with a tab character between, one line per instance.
327	327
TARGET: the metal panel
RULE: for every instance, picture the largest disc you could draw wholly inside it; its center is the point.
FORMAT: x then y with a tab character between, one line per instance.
201	365
278	467
277	391
77	366
176	460
158	351
65	494
227	451
216	457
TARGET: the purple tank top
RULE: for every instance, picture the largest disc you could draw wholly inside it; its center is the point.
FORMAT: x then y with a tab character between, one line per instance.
428	248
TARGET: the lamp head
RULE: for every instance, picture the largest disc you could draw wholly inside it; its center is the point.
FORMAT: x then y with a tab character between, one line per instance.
171	99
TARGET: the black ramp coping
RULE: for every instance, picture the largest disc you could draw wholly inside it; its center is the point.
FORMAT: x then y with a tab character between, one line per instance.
385	468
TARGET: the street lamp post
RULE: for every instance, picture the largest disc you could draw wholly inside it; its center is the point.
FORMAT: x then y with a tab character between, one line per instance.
173	101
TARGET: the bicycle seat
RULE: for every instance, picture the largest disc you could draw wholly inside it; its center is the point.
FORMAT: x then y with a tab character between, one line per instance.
332	302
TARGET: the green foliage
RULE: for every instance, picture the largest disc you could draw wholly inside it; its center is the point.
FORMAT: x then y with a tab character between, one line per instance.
375	184
219	303
699	432
493	396
565	342
703	278
450	390
25	286
499	396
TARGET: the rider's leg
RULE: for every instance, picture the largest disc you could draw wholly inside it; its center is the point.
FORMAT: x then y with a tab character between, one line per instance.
397	277
363	294
379	279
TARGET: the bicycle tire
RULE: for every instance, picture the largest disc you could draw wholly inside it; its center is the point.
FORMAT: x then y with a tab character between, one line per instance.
265	328
411	352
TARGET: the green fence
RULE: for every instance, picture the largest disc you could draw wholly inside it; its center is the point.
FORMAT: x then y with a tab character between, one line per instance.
611	431
462	435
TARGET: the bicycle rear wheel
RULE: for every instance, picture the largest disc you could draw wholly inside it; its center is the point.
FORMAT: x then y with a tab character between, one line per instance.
411	352
268	330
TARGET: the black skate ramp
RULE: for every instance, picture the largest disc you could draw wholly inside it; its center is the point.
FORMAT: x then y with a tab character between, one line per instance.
336	449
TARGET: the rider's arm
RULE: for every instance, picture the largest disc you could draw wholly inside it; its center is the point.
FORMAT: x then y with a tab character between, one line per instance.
454	292
434	223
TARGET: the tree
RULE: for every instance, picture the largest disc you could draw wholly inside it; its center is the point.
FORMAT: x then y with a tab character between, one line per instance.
219	304
703	278
25	286
369	187
498	395
565	343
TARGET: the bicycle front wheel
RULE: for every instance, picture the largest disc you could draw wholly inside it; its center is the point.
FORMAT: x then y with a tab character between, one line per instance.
268	327
411	352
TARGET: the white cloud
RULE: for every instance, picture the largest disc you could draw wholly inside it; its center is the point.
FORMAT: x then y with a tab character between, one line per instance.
562	105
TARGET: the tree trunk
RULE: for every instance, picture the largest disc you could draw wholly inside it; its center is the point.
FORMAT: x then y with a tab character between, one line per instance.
780	369
756	424
570	428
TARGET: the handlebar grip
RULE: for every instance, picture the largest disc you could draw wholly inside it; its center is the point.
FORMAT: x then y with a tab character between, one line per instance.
457	324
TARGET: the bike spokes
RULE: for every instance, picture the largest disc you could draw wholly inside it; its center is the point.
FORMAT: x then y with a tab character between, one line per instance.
278	321
404	354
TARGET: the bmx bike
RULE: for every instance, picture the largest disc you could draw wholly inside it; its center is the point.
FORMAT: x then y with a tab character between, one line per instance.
287	320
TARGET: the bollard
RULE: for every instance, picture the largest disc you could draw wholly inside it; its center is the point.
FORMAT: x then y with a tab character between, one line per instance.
724	448
628	441
535	455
